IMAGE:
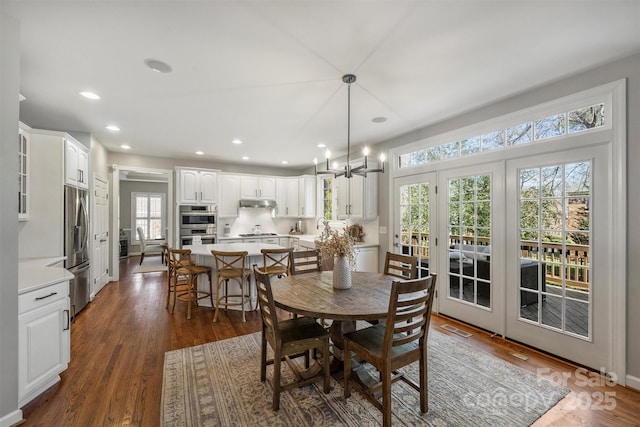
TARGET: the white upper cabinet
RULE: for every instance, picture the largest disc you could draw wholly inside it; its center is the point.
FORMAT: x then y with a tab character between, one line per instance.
76	163
307	196
257	187
358	196
23	173
197	186
229	195
287	197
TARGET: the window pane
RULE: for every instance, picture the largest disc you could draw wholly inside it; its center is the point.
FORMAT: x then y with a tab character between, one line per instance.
550	126
529	183
577	177
141	206
450	151
470	145
493	140
586	118
520	134
155	207
552	181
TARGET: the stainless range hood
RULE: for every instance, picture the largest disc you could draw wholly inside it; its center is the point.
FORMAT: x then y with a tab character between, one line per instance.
254	203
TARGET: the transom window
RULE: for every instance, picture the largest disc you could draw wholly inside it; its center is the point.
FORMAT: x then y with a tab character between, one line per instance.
552	126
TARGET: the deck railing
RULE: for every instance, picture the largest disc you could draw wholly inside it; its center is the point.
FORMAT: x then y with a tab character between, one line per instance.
576	257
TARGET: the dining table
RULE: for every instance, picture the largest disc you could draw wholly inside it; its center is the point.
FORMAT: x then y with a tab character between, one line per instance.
313	295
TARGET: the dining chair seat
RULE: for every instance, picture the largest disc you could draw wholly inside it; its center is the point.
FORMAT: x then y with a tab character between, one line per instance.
400	341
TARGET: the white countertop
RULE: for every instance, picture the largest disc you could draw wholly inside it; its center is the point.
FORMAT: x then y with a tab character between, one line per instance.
36	273
308	238
253	249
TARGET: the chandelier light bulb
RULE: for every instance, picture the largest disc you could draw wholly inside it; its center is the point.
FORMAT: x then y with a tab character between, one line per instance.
382	157
327	154
365	151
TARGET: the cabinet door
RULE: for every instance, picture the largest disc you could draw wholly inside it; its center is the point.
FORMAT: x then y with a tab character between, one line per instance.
342	188
281	197
188	186
287	197
71	172
43	348
249	187
356	196
229	195
83	167
367	259
208	187
307	196
267	188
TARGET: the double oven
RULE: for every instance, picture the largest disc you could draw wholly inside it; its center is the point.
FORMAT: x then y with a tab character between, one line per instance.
198	220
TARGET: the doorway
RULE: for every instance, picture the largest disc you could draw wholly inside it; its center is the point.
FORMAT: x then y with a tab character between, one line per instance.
129	176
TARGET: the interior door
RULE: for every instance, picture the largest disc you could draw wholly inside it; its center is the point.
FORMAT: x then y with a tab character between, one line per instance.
559	293
100	234
470	232
414	209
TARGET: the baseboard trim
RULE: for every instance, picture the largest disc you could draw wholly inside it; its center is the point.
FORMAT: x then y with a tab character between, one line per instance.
633	382
11	419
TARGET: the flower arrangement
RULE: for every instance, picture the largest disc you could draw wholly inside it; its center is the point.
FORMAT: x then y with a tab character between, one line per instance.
333	242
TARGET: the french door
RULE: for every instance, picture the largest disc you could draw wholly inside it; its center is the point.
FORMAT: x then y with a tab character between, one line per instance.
559	271
470	245
414	203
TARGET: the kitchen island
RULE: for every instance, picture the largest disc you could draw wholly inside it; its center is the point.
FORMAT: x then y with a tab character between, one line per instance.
202	255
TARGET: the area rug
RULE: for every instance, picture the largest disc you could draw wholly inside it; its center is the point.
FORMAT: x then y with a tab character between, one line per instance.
150	268
218	384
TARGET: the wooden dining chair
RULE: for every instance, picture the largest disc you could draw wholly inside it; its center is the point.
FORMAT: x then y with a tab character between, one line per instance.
182	267
289	339
401	266
392	345
276	262
232	265
305	261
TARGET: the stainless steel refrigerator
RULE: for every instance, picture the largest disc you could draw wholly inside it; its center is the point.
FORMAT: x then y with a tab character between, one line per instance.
76	246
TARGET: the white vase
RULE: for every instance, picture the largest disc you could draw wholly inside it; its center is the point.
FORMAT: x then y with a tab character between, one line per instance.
341	272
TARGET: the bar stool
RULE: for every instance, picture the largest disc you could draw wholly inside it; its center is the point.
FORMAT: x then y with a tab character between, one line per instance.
276	262
232	266
183	266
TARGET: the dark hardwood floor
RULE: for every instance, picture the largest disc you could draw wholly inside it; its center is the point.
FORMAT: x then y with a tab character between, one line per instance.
118	344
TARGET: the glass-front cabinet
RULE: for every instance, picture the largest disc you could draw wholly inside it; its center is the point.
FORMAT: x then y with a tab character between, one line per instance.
23	174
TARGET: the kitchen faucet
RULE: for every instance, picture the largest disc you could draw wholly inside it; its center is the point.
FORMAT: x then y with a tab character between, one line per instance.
323	220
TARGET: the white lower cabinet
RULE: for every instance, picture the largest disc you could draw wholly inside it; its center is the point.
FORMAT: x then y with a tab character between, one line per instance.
44	339
367	259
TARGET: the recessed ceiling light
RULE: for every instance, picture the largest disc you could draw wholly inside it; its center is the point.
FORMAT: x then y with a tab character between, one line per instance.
125	147
90	95
379	119
113	128
321	145
245	158
157	66
237	141
284	162
200	153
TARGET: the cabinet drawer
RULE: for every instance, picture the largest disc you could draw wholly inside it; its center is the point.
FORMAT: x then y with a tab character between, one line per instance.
41	297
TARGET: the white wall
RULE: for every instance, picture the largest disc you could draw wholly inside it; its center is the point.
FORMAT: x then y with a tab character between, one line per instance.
9	87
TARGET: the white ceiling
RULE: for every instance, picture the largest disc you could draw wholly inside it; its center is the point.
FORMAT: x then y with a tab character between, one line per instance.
270	72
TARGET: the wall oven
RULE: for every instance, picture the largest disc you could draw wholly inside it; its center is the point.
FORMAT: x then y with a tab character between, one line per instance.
198	220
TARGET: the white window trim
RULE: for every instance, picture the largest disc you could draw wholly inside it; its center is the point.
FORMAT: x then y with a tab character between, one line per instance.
615	130
134	231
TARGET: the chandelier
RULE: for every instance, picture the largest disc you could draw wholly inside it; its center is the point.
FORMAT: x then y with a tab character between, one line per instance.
348	170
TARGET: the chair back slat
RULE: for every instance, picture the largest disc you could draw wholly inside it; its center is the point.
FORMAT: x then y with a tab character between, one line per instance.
267	305
401	266
409	311
235	261
306	262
